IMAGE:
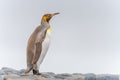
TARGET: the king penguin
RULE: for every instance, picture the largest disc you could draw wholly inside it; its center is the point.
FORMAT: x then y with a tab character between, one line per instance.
38	44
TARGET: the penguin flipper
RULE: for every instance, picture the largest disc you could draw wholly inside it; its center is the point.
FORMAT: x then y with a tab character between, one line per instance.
37	52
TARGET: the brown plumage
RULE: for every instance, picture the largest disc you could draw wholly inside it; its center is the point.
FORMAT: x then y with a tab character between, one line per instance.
35	46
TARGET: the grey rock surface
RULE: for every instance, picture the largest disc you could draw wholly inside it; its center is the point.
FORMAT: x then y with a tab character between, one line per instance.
1	78
12	74
6	70
107	77
62	76
70	76
2	72
48	74
90	76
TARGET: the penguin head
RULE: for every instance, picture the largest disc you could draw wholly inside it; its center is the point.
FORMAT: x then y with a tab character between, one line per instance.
47	17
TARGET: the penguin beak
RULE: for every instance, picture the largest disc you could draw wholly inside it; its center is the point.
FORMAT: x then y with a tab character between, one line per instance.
55	14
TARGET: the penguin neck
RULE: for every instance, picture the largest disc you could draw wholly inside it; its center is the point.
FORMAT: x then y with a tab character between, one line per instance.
46	27
45	24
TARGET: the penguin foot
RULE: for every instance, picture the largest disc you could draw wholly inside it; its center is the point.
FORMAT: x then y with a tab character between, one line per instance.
36	72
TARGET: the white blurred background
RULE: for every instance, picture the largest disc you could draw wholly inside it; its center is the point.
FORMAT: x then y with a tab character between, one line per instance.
85	35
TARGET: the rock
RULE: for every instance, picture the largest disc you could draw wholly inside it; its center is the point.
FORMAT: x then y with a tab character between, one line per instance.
2	72
67	76
33	77
63	76
1	78
107	77
90	76
12	74
22	71
9	76
48	74
76	77
77	74
7	71
52	79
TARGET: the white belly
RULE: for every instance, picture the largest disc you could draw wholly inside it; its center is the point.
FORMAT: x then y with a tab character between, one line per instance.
45	46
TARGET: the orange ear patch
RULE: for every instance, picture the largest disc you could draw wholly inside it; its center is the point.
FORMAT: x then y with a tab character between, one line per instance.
45	18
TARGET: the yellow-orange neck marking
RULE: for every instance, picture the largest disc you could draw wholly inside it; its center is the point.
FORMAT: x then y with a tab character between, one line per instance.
49	30
44	18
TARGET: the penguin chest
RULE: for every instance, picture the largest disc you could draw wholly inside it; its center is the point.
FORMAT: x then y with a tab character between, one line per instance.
46	41
45	46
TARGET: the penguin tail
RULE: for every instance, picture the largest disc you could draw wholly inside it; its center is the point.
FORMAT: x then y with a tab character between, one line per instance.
29	68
